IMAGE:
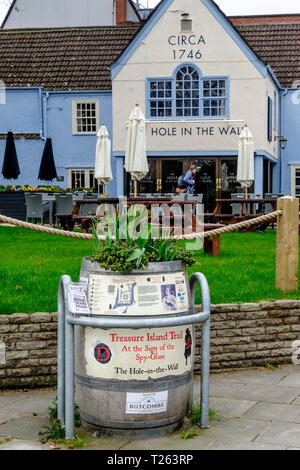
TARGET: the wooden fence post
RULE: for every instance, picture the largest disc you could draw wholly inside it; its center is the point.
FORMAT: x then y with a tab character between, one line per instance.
287	244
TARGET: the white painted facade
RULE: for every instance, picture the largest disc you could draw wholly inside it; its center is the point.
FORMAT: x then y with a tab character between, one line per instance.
64	13
221	56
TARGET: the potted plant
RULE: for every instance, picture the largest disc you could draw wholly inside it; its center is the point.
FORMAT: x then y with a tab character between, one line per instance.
135	381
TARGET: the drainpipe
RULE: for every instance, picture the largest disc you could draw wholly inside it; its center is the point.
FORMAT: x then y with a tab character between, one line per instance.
42	113
114	13
44	98
282	94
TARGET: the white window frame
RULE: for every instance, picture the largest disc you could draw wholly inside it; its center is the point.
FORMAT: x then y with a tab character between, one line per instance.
75	130
293	180
86	171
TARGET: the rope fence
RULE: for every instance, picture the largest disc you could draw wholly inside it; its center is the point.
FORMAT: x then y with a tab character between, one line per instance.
189	236
287	238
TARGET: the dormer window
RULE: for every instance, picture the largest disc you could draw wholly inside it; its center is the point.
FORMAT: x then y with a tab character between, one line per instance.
186	23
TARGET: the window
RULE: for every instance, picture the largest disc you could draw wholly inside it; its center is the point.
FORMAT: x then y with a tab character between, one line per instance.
81	178
295	180
214	98
85	117
270	119
187	92
186	23
275	111
160	98
188	95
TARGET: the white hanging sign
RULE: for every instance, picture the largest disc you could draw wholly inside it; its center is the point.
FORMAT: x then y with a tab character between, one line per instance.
77	301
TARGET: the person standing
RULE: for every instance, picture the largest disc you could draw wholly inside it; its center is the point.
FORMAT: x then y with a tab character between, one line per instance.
189	179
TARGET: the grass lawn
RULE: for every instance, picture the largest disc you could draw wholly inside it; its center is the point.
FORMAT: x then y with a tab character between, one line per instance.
32	264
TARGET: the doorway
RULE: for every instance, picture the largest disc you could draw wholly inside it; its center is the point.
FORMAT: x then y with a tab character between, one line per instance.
215	178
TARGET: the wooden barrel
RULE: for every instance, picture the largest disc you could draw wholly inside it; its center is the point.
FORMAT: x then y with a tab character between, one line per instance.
135	383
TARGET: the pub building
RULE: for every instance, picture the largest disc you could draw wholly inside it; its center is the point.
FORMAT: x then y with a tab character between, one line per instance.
198	76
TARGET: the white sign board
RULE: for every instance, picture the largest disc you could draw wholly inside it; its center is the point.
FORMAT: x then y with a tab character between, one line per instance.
77	301
138	295
139	354
146	403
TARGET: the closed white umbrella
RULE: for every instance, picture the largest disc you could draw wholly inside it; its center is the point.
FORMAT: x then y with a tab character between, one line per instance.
103	172
135	157
245	171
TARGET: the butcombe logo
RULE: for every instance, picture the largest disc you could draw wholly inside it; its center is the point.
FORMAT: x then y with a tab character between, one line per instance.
102	353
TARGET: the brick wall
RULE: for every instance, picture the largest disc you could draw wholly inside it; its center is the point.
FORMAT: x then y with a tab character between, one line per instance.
121	7
242	336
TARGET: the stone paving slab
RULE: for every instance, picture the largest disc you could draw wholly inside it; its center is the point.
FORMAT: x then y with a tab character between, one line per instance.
275	412
265	393
256	410
28	402
226	444
259	376
18	444
224	389
232	408
24	427
240	429
173	442
292	380
297	401
282	434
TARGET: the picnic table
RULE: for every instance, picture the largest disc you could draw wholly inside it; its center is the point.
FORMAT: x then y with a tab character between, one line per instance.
244	204
211	245
84	219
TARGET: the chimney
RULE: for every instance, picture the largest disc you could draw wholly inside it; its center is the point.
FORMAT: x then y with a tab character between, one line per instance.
121	11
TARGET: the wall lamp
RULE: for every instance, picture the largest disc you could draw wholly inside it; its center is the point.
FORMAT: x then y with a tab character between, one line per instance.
282	140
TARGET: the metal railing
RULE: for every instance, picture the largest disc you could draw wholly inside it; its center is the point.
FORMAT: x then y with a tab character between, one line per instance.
66	322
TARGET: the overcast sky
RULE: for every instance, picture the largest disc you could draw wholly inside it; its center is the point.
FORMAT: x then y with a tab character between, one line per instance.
230	7
251	7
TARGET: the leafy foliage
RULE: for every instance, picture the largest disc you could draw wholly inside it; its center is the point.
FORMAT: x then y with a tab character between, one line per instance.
195	414
189	434
124	254
56	431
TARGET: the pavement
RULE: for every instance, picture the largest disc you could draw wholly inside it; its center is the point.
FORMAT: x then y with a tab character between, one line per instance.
255	410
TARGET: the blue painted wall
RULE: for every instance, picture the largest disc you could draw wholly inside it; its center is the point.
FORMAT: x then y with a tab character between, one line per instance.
22	111
290	130
50	115
31	110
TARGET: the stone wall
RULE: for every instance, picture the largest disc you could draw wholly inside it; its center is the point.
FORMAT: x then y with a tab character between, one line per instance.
251	335
242	336
28	350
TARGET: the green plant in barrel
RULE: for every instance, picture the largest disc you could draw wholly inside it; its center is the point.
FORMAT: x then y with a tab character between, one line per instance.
123	253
